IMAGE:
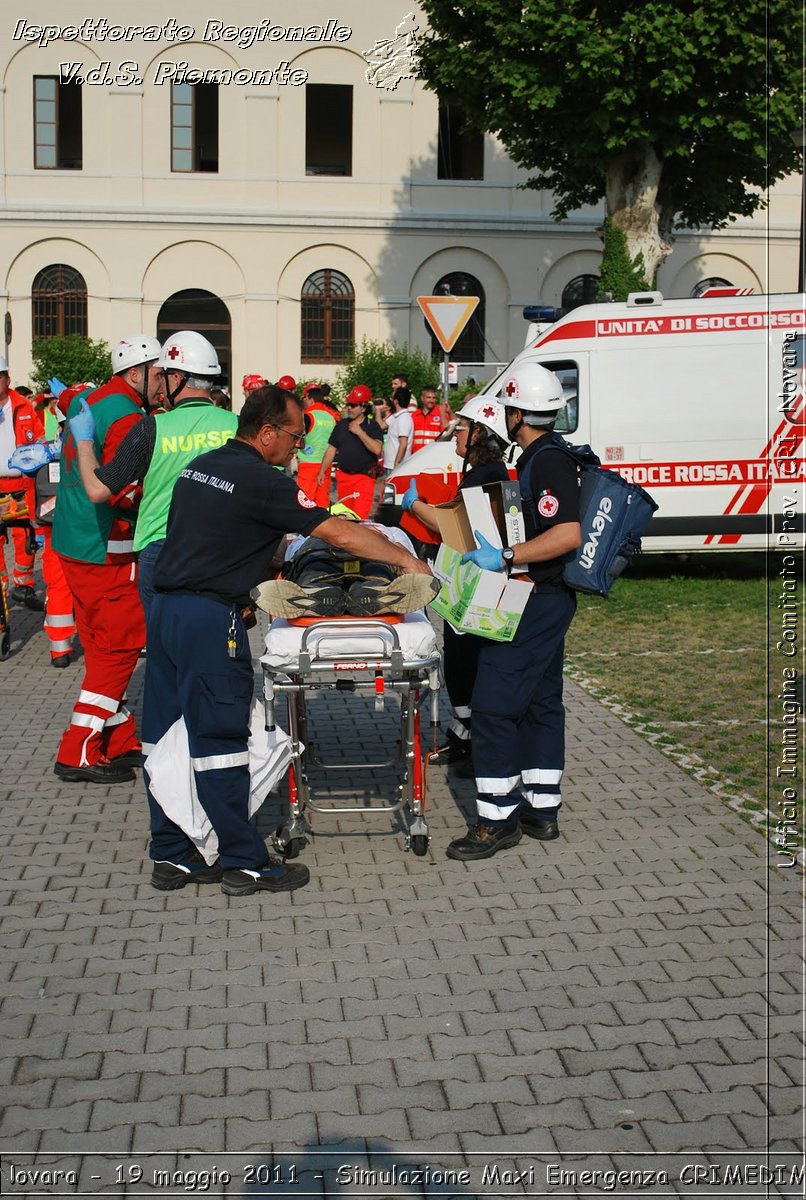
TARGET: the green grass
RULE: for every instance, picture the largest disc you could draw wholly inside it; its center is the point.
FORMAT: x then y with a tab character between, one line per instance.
687	648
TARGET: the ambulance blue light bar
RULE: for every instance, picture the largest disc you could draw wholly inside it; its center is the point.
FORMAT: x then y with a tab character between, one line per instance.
543	313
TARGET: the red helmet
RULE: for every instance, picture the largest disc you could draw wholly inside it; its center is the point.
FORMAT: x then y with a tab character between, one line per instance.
287	382
360	394
252	382
309	387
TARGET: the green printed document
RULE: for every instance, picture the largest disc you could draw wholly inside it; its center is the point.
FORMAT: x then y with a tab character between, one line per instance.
476	601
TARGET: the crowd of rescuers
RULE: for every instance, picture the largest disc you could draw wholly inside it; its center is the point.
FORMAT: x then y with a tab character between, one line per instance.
207	526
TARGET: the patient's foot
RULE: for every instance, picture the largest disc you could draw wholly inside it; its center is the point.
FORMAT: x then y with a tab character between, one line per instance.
281	598
371	597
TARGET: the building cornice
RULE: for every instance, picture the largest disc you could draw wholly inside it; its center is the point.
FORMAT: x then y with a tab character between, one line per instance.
457	223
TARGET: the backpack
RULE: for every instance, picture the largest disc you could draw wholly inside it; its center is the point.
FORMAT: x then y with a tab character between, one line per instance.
612	512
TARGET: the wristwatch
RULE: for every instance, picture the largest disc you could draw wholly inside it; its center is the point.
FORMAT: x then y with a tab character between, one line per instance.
508	555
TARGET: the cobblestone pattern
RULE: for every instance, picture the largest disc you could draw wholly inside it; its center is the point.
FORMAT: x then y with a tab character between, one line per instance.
631	989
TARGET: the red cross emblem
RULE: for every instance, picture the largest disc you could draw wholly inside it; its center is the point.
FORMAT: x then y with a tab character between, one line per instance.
174	352
511	388
489	411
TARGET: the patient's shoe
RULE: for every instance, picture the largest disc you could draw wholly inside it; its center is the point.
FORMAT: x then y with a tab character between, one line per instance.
282	598
371	597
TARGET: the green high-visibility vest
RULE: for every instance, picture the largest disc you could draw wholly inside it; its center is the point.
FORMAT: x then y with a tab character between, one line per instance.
192	428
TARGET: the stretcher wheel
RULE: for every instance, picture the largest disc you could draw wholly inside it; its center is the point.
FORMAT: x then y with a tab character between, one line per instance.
288	847
5	645
419	844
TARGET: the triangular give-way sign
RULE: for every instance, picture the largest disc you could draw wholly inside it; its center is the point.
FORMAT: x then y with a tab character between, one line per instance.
447	316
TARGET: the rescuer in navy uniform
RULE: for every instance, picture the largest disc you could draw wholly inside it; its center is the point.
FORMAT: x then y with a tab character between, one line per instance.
518	722
228	514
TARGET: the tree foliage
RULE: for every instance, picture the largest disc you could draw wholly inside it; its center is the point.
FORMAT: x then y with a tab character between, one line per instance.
374	363
73	359
589	95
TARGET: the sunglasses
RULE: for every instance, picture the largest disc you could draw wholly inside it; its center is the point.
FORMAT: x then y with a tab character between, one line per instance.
297	438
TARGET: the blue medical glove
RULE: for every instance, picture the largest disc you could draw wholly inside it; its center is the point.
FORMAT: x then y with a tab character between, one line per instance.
56	387
409	496
82	425
488	557
29	459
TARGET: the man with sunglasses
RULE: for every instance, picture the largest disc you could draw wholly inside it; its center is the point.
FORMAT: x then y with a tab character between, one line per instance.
228	515
356	442
157	449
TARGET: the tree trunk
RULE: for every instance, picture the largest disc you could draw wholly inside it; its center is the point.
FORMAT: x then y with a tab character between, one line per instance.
631	187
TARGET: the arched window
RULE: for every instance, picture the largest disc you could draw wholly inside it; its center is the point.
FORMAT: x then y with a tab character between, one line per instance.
581	290
470	346
328	317
194	308
59	302
705	284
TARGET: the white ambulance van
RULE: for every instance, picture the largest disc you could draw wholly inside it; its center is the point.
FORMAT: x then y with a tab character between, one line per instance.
701	401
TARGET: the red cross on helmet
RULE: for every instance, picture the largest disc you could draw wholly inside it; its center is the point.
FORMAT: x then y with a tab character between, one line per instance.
191	353
531	388
485	410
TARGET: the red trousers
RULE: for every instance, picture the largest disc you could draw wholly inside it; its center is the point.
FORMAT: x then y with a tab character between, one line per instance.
60	625
306	482
111	625
22	574
356	491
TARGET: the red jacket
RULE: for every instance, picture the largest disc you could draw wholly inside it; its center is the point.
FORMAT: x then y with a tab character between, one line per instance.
29	427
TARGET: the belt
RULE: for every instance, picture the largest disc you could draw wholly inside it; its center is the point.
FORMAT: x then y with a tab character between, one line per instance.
541	589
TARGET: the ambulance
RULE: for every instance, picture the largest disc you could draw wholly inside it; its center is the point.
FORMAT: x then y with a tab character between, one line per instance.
701	401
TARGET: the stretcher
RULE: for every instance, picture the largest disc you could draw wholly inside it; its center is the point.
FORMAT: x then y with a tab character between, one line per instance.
376	657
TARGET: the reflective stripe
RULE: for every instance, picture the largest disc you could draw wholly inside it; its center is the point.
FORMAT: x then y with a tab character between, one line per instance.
541	775
118	547
119	718
98	701
218	762
543	799
67	644
459	731
495	812
463	711
497	787
54	621
86	721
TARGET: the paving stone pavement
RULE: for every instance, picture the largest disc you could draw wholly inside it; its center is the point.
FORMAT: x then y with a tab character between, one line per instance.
626	999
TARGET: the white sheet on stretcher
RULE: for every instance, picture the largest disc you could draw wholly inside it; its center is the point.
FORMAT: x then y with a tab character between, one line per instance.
415	633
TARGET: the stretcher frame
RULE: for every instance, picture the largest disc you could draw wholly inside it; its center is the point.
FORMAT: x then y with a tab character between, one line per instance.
363	672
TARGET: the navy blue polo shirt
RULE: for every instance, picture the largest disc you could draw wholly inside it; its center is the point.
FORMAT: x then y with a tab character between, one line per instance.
229	511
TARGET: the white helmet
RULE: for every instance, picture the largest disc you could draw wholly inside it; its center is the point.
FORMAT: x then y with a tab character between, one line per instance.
134	351
190	352
532	389
485	410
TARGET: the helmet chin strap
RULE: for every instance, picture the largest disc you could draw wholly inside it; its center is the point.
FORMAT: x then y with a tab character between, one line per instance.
143	390
170	396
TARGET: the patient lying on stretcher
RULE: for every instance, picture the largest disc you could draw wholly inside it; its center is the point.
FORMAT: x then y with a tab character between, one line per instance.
319	580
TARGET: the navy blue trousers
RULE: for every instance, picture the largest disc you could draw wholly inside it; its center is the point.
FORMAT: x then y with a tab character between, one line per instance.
518	722
189	674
